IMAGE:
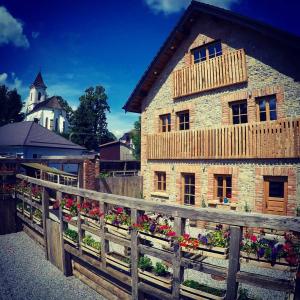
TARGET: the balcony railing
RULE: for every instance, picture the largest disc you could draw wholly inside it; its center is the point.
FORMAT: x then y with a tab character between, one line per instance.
275	139
224	70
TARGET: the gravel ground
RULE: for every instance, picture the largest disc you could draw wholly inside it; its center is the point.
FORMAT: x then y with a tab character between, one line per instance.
26	274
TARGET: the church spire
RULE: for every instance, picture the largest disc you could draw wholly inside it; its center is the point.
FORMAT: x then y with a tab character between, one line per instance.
38	82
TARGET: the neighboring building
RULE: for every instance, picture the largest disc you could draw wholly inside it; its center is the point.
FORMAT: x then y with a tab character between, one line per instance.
47	111
116	150
31	140
127	139
220	115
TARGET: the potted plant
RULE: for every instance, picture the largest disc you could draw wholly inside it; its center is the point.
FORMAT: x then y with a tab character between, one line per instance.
27	211
117	222
36	193
23	188
90	213
159	274
120	261
20	207
37	217
91	246
69	206
71	236
156	230
195	290
213	243
270	252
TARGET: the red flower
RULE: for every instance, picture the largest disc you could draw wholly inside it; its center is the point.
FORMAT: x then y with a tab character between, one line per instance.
68	218
171	233
253	239
186	236
119	210
79	206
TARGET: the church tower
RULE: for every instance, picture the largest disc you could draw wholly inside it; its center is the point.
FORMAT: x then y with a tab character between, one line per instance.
37	92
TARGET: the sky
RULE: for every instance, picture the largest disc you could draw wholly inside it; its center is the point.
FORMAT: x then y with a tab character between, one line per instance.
77	44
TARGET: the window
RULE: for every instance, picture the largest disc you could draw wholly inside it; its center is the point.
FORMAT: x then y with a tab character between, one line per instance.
56	124
165	123
46	122
51	124
189	189
64	126
239	112
223	186
183	118
266	108
208	51
39	96
160	181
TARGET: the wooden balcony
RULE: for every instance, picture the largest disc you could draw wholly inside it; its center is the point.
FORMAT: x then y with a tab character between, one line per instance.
275	139
224	70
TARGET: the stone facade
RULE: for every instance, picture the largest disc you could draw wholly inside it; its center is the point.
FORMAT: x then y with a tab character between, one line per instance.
271	71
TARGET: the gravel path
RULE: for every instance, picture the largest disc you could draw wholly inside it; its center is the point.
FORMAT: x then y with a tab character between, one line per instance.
26	274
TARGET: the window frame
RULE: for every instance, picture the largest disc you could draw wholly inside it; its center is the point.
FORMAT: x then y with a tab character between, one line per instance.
165	117
267	99
184	184
160	177
207	54
239	102
224	186
186	124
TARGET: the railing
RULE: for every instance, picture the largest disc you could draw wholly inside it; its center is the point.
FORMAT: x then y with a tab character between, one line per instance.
223	70
275	139
132	278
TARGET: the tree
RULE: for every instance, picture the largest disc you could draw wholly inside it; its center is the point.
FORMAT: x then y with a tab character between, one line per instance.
89	123
65	105
136	139
11	106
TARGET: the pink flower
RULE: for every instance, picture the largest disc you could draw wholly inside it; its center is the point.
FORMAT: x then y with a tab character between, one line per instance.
253	239
119	210
171	233
186	236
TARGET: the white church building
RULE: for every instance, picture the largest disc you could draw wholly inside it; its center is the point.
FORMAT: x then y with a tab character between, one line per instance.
48	112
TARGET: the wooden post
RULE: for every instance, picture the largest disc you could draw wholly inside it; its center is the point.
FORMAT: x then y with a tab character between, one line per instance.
66	257
79	225
80	175
178	270
134	256
234	262
104	242
45	214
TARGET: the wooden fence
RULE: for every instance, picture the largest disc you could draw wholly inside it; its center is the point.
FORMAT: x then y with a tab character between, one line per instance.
74	257
131	186
275	139
227	69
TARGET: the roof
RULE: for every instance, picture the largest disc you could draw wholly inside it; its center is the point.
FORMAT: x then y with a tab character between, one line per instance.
47	169
182	30
114	142
51	102
31	134
38	82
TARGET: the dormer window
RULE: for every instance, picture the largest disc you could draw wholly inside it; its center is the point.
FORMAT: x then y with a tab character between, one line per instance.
207	51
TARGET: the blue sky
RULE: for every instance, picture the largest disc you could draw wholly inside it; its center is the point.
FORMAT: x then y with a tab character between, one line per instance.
78	44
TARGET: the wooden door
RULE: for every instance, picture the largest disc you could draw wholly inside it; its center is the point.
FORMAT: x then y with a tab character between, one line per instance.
275	195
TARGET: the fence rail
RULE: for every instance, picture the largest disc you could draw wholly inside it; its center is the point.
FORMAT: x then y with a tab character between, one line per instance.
275	139
236	221
223	70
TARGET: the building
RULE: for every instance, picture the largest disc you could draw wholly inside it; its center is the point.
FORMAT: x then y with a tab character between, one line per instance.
47	111
31	140
116	150
220	115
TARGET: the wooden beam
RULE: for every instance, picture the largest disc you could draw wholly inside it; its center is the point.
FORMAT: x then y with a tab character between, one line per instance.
134	256
150	290
168	256
45	216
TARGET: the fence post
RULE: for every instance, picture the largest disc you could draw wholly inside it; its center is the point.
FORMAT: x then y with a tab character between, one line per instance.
234	262
45	214
134	256
79	225
104	242
66	257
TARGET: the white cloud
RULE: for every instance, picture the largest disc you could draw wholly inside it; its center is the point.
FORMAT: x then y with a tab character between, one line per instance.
174	6
35	34
3	77
11	30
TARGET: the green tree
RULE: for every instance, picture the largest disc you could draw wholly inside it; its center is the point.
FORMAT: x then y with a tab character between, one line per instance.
136	139
11	106
89	123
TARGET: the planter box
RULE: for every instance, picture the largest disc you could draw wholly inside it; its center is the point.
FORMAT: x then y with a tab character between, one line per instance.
197	294
91	222
90	250
115	259
20	210
165	282
37	220
156	238
66	238
121	230
36	199
66	211
281	265
216	252
26	213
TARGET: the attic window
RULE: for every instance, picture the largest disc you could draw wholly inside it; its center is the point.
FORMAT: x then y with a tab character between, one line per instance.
207	51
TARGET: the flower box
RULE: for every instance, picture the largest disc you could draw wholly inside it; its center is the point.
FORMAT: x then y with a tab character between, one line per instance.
37	220
36	199
91	222
26	213
66	238
198	294
20	209
165	282
117	260
216	252
66	211
91	250
156	238
121	230
280	264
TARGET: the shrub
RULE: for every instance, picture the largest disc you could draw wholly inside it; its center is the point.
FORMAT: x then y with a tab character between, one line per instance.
38	214
72	234
88	240
161	269
145	263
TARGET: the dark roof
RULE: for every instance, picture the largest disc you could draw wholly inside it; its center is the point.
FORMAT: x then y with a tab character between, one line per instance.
114	142
51	102
182	30
38	82
32	134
